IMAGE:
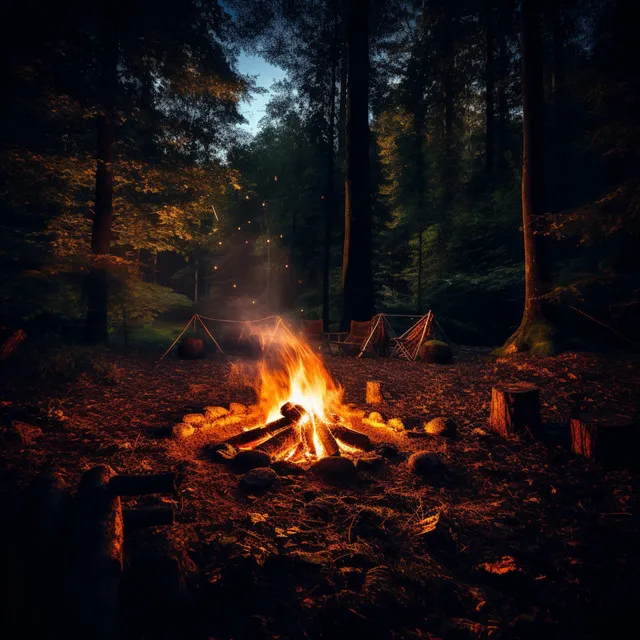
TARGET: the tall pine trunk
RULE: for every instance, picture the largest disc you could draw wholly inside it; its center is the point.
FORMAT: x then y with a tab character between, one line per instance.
489	79
97	284
501	142
357	276
535	333
329	196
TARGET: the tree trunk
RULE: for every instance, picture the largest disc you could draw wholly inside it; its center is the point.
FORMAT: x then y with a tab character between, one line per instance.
535	332
97	286
502	77
489	78
329	199
357	276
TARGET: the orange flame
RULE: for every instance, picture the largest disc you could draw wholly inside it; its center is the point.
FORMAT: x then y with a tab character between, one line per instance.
292	372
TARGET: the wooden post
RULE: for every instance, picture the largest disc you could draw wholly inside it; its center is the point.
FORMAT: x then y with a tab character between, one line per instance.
97	563
515	408
374	396
605	438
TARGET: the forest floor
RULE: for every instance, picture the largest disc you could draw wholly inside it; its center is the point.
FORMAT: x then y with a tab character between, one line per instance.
541	543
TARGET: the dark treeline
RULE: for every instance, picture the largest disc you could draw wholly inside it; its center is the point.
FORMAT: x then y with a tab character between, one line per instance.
444	154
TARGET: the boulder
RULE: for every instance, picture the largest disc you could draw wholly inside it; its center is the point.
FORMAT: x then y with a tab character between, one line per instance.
435	351
426	464
259	479
334	470
441	427
244	461
183	430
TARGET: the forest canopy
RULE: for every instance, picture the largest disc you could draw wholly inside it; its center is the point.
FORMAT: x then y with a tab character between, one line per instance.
130	189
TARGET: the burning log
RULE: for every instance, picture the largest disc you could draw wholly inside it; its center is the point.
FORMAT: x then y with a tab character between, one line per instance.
610	439
328	442
351	438
282	441
515	408
291	416
307	438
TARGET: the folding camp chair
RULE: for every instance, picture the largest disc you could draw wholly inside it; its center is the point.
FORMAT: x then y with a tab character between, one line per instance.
352	343
408	344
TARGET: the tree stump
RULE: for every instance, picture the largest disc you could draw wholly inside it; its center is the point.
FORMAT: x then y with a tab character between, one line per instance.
374	396
610	439
515	408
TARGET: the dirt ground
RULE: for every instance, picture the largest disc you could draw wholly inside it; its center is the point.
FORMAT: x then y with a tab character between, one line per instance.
532	542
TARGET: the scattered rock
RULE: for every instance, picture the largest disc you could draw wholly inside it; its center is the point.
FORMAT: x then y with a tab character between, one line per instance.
196	419
183	430
244	461
319	509
376	417
259	479
370	463
441	427
215	412
335	470
426	464
395	423
237	409
435	351
286	468
222	451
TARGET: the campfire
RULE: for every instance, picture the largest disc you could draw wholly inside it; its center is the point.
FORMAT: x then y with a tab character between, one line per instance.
299	415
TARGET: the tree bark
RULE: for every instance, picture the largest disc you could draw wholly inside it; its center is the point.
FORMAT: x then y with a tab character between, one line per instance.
97	285
535	332
357	276
329	196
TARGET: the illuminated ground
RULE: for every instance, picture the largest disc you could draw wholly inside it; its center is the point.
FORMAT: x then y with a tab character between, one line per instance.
542	544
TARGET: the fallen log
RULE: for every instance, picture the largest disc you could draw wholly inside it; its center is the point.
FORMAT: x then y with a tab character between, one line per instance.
142	485
610	439
281	442
351	438
155	516
515	408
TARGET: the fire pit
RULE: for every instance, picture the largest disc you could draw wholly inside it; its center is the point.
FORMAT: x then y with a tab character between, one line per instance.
299	416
